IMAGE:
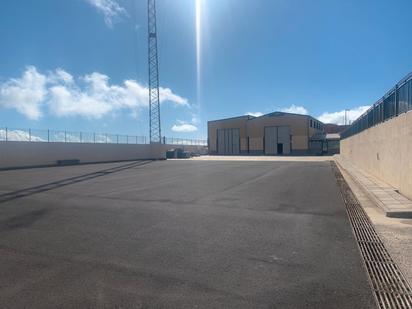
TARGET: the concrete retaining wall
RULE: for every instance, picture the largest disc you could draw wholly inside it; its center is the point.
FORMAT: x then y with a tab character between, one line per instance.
384	151
26	154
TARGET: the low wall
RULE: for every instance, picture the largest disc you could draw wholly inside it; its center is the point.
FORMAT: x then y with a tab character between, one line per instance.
384	151
26	154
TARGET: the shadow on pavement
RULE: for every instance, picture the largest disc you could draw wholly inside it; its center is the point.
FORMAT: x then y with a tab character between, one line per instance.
6	197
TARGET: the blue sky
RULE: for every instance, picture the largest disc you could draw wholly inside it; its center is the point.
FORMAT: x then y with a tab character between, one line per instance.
82	64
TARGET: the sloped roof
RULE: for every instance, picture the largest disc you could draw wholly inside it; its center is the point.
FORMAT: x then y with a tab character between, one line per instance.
232	118
272	114
280	114
277	114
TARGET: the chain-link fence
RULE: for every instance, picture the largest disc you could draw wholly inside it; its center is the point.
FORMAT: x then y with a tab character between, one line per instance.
396	101
54	136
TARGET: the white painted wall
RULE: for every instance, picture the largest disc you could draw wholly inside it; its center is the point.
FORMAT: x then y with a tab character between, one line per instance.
25	154
384	151
18	154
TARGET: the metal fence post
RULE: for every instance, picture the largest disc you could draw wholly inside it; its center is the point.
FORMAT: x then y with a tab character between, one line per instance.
29	135
94	137
117	138
396	100
48	136
80	137
65	136
6	134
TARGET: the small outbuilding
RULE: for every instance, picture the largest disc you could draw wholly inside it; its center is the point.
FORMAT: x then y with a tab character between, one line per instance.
276	133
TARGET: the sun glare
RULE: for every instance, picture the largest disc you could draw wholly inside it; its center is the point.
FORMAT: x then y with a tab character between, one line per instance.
198	45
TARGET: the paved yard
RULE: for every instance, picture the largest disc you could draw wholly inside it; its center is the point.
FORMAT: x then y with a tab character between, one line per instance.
178	234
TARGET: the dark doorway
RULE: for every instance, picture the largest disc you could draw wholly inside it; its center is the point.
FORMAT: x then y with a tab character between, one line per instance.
280	148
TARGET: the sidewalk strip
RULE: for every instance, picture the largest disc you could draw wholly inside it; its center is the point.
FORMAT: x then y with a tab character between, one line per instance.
387	198
391	289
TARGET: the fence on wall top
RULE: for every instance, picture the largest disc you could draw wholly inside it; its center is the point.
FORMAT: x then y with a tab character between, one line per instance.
54	136
396	101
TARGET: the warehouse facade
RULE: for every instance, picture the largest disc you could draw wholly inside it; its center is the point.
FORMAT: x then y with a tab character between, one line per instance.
276	133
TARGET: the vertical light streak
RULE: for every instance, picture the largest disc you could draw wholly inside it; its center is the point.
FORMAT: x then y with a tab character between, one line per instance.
198	47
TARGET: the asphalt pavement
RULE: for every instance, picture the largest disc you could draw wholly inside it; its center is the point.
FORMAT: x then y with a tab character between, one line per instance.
178	234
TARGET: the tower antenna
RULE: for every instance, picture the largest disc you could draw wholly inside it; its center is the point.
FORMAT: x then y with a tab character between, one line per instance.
154	95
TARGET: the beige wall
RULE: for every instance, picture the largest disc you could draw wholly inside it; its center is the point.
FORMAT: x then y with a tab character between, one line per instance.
233	123
313	130
21	154
384	151
298	128
254	128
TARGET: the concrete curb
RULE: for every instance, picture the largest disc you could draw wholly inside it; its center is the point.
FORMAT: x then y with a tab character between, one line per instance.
388	207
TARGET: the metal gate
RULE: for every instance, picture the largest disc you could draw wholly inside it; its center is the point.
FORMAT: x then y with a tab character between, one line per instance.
228	141
284	138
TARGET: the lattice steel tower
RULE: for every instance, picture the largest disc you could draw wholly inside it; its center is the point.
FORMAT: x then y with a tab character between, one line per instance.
154	99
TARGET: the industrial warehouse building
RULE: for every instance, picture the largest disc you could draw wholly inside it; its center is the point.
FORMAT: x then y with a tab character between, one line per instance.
277	133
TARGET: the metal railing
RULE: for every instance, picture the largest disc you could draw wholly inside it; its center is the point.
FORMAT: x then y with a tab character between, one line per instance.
55	136
184	141
396	101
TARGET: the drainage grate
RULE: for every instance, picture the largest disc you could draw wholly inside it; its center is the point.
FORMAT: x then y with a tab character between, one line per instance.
390	287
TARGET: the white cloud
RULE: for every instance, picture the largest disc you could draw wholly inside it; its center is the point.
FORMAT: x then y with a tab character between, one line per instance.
54	136
19	136
93	99
195	119
60	76
294	109
167	95
89	96
110	9
183	127
25	94
339	117
254	114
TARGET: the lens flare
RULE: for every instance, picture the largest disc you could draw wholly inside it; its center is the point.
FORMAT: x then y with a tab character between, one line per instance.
198	46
